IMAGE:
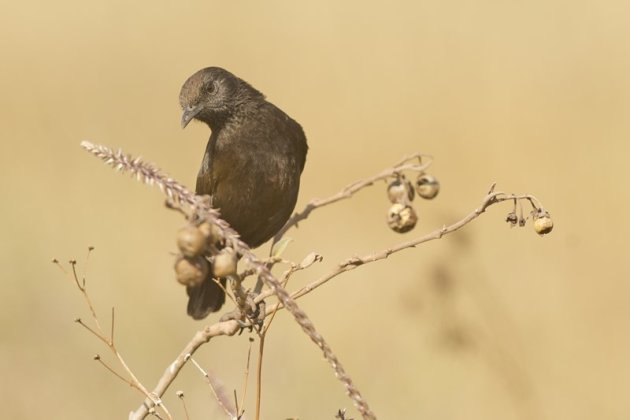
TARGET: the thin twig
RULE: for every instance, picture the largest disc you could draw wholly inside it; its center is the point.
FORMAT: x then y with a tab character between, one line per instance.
309	260
261	351
97	357
92	331
227	328
180	395
246	375
217	390
81	286
87	262
355	262
109	342
354	187
111	334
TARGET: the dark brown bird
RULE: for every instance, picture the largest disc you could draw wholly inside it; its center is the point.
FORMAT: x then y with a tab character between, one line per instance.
252	165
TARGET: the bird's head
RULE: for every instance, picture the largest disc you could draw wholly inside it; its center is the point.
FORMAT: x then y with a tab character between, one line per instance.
213	94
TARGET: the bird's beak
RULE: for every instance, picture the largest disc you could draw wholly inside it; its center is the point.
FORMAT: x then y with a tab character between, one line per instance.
190	112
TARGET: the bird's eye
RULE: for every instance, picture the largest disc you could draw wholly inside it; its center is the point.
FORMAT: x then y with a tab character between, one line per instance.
211	87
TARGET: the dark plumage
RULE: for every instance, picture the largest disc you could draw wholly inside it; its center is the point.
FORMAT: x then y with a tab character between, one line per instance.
251	167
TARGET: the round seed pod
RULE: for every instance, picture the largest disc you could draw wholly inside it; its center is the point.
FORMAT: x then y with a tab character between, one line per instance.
210	232
400	191
512	219
224	263
543	223
191	271
190	241
427	186
401	218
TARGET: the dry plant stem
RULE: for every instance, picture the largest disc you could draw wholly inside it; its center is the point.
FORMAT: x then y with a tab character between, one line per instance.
109	341
308	327
177	192
181	398
350	189
217	391
263	334
246	377
355	262
261	348
201	337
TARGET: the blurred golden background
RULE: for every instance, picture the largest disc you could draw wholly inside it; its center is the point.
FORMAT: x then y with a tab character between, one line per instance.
489	323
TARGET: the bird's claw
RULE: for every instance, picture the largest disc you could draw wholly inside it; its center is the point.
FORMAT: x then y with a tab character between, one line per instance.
252	318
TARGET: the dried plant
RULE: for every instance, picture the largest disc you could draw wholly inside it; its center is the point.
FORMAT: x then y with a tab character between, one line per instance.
197	210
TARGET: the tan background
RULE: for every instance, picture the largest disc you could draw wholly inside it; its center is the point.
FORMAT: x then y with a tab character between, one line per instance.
533	95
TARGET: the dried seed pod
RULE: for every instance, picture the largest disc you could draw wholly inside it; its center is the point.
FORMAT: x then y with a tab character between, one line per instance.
427	186
401	218
191	271
400	191
210	232
512	219
224	263
542	222
191	241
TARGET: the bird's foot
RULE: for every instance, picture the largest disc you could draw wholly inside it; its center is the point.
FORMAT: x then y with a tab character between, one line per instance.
251	316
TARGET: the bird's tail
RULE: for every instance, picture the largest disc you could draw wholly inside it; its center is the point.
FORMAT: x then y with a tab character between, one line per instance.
206	298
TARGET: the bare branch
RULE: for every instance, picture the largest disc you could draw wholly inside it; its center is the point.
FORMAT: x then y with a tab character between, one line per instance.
351	189
228	328
97	357
355	262
109	341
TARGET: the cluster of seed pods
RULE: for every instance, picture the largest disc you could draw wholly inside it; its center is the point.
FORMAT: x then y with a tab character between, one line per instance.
543	224
202	254
402	217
